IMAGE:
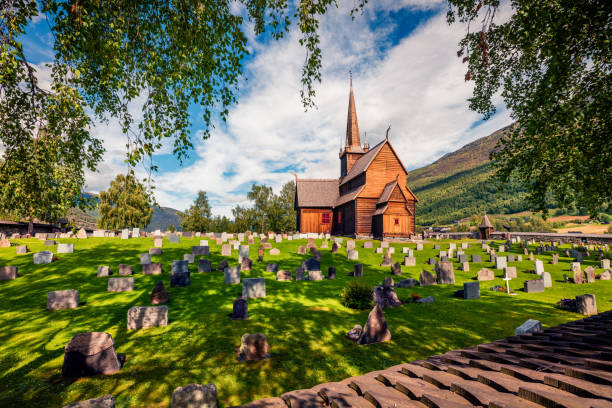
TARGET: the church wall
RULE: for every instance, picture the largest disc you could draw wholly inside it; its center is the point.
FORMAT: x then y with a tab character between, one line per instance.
365	207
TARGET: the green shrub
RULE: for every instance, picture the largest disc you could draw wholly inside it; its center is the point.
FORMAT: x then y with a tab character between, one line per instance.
357	295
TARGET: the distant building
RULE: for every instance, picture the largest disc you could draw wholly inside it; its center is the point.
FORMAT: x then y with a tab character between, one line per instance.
370	197
486	228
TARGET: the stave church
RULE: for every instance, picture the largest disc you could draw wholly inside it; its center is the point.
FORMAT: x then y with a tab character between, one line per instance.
370	198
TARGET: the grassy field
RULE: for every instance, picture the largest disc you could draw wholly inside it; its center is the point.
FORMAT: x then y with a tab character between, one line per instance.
305	322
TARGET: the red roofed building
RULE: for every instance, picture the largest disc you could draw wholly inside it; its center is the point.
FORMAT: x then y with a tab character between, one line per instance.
370	197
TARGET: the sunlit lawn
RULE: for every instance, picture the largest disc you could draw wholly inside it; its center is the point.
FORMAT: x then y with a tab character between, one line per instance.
305	322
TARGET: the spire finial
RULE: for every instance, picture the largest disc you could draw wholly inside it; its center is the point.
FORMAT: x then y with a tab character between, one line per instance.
351	77
387	135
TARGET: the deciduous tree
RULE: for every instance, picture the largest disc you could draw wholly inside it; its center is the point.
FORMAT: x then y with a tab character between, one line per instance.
197	217
126	203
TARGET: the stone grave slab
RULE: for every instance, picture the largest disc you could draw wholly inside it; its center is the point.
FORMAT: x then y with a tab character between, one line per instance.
89	354
410	261
8	272
143	317
546	278
232	275
120	284
44	257
586	304
62	299
154	268
530	326
510	272
533	286
538	266
427	279
445	273
202	250
240	309
471	290
65	248
254	288
204	265
190	258
180	279
145	259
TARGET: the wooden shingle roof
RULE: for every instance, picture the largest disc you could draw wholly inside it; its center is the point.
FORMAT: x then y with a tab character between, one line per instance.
386	193
564	366
485	222
316	192
363	162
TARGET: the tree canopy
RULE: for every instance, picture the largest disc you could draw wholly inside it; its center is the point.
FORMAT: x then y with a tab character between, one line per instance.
551	62
126	204
197	217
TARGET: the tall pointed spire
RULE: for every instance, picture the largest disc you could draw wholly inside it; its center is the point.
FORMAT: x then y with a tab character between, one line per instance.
353	143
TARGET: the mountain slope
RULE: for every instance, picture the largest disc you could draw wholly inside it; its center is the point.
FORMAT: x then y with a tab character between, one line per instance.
162	218
459	185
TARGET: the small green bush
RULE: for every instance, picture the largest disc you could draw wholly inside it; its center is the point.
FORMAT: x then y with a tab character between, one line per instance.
357	295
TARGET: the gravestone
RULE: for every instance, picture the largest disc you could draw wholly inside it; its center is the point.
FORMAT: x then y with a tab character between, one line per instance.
575	267
375	329
471	290
578	256
384	244
426	278
538	266
396	268
275	251
485	275
143	317
410	261
44	257
89	354
159	294
222	265
533	286
331	272
465	266
589	272
204	242
500	262
547	280
324	245
120	285
387	259
180	266
194	396
8	272
202	250
605	275
240	309
464	245
463	258
158	242
419	246
243	252
555	259
136	232
530	326
204	265
99	233
190	258
350	245
492	257
145	259
385	295
226	250
352	255
519	258
445	273
442	254
338	240
125	234
154	268
62	299
65	248
82	234
253	347
368	244
510	258
246	264
408	283
155	251
315	275
358	270
180	279
437	247
431	261
510	272
283	275
300	274
173	238
586	304
22	249
476	259
272	267
311	265
379	250
125	270
104	271
232	275
605	264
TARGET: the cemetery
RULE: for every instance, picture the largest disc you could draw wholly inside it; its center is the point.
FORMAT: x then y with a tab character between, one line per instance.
153	319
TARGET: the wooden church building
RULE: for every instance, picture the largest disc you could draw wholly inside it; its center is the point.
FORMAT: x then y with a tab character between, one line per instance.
370	198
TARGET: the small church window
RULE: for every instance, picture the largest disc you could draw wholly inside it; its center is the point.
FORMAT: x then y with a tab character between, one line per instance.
325	218
396	221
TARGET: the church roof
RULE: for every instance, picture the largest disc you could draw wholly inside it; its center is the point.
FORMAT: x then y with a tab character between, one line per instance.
386	193
353	142
316	192
485	222
350	196
363	163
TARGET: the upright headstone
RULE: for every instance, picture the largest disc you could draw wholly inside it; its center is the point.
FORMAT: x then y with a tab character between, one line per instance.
145	259
586	304
485	275
89	354
202	250
240	309
353	255
154	268
8	272
533	286
589	272
427	279
331	272
142	317
243	252
538	266
65	248
445	273
43	257
375	329
232	275
180	279
204	265
577	272
159	294
530	326
62	299
510	272
547	280
410	261
120	284
471	290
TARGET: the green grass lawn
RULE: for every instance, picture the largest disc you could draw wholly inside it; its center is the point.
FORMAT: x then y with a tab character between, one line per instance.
305	322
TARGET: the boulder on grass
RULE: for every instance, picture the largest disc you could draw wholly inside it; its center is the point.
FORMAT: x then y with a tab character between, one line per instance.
194	396
253	347
159	294
375	330
105	401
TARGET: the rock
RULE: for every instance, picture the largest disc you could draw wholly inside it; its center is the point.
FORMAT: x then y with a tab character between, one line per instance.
194	396
427	279
485	275
355	332
90	354
428	299
62	299
375	330
471	290
104	271
240	309
254	288
125	270
408	283
386	296
44	257
142	317
589	272
8	272
120	284
396	268
530	326
105	401
159	294
253	347
445	273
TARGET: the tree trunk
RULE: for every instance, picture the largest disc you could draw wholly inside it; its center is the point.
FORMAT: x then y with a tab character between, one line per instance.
31	226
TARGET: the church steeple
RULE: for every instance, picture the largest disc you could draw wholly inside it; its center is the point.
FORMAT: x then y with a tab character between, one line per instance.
353	143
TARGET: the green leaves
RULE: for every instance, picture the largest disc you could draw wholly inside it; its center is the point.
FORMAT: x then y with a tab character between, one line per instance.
126	204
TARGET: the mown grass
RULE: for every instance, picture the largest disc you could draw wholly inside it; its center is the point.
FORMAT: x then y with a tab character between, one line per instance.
305	322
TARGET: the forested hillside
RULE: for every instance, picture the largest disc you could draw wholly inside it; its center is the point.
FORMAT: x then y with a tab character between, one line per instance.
459	185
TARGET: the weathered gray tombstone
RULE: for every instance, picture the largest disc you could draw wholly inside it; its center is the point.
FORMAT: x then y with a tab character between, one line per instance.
240	309
396	269
463	258
145	259
431	261
510	272
158	242
437	246
243	252
226	250
408	283
427	279
254	288
104	271
331	272
368	245
65	248
202	250
578	256
22	249
410	261
555	259
105	401
194	396
547	280
154	268
476	259
530	326
159	294
605	264
8	272
190	258
125	270
300	274
577	272
232	275
143	317
510	258
445	273
120	284
180	279
315	275
253	347
155	251
204	265
586	304
375	329
589	272
485	275
44	257
605	275
180	266
471	290
442	254
358	270
173	238
538	266
533	286
387	259
62	299
283	275
353	255
89	354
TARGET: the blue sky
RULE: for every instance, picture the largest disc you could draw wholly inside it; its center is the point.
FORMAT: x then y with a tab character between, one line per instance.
405	74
